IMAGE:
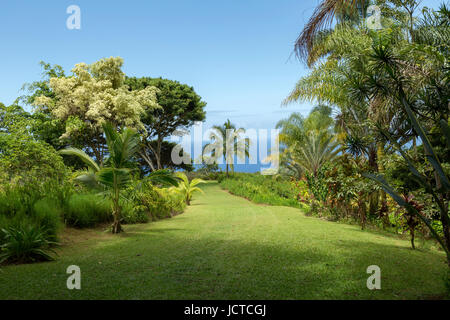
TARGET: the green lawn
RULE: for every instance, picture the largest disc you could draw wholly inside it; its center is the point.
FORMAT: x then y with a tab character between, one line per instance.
225	247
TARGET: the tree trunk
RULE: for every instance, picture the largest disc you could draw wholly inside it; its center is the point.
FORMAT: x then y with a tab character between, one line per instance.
158	152
384	210
446	227
116	227
373	198
411	231
444	216
362	212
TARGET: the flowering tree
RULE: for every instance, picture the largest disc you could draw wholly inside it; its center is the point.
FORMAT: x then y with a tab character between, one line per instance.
93	95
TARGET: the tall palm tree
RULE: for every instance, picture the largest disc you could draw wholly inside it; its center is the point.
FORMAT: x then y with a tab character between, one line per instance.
231	139
316	30
115	173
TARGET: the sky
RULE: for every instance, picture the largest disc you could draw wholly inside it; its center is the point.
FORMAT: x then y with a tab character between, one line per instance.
237	54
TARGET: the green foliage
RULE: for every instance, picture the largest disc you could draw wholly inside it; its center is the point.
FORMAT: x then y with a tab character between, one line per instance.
245	247
87	210
115	174
47	214
23	159
146	201
179	107
93	95
35	205
25	243
133	215
223	136
307	143
263	189
187	188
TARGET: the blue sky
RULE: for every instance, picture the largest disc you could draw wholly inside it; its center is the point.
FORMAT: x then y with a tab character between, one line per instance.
235	53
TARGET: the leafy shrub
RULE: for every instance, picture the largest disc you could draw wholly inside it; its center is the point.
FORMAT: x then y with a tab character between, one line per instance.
87	210
263	189
160	204
35	205
152	202
27	161
25	243
130	215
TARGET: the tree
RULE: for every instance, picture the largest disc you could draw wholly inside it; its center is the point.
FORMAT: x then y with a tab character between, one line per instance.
23	158
316	28
296	133
180	106
116	175
165	158
93	95
429	92
315	150
230	139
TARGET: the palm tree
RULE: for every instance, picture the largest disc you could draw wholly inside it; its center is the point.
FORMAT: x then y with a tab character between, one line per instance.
231	139
187	188
314	151
115	173
315	30
295	133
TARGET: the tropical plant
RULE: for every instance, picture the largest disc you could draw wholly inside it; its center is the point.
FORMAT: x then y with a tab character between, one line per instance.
230	139
25	243
87	210
316	150
148	197
316	29
273	190
429	93
115	174
188	188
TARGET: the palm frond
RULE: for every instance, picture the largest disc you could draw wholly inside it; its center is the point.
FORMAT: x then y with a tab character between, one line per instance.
83	156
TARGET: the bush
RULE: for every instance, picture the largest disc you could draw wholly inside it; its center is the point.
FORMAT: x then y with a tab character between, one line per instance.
47	215
25	243
147	201
28	205
87	210
130	215
263	189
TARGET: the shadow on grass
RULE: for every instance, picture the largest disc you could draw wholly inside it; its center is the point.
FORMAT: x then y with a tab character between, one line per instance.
179	266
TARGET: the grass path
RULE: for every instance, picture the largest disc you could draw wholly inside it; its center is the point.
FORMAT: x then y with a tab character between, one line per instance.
225	247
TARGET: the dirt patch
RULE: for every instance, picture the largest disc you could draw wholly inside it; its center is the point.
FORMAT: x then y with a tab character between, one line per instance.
72	236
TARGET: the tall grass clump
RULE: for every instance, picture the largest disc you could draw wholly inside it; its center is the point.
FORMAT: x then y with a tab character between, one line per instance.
30	219
87	210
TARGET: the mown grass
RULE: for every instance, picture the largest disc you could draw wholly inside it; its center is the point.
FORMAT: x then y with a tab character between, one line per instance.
225	247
